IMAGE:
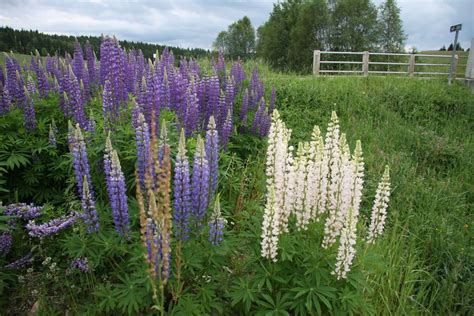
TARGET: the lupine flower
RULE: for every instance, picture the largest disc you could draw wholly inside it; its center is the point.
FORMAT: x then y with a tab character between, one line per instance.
81	264
212	154
379	210
182	191
23	211
302	208
238	73
52	136
219	68
318	179
346	251
6	242
88	206
91	122
192	110
143	148
200	181
244	108
272	101
52	227
29	112
226	129
21	263
270	227
116	189
216	224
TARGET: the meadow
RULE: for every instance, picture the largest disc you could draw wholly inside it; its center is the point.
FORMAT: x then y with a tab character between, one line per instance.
421	264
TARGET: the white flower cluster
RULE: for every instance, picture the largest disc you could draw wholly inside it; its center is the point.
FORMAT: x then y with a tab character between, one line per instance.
323	178
379	210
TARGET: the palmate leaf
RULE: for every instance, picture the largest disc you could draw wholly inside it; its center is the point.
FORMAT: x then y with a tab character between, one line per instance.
241	292
16	160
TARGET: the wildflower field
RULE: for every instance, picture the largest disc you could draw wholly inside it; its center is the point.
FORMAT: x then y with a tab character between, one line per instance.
214	187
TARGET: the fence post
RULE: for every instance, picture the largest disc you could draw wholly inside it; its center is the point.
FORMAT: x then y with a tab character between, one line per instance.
316	62
365	65
456	59
411	65
470	62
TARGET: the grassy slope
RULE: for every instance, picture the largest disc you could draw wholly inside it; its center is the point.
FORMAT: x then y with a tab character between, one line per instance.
425	131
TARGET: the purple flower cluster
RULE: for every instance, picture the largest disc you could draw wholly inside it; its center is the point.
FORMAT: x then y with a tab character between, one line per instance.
6	241
142	138
116	189
182	191
52	227
81	264
237	72
29	112
216	224
219	68
200	182
21	263
23	211
83	179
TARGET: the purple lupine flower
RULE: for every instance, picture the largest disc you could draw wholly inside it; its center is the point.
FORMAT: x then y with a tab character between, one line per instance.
21	263
108	105
238	73
191	116
182	191
20	96
31	85
272	101
256	89
11	82
226	129
89	214
213	95
77	101
212	154
4	100
43	83
142	139
52	137
81	264
29	112
219	68
23	211
90	62
259	116
216	224
265	123
200	182
6	241
229	98
91	122
84	183
52	227
244	108
78	61
116	189
218	113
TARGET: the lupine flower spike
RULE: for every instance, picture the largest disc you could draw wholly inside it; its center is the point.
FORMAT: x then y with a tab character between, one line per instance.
379	210
216	224
182	191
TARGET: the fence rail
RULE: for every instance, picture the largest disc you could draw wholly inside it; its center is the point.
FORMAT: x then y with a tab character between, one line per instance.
411	64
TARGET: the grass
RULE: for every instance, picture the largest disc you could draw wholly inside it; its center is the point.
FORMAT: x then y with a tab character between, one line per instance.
425	131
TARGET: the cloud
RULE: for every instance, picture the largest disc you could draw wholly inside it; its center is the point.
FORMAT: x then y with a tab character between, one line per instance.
189	23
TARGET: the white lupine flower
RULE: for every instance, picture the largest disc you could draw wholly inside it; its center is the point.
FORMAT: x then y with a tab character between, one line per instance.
317	175
358	177
379	210
338	192
270	227
289	194
346	250
302	209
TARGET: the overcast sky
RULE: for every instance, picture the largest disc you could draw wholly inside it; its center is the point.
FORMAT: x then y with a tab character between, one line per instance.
187	23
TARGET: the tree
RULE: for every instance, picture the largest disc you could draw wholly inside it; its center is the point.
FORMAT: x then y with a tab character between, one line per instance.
238	40
442	49
309	33
458	47
354	26
220	44
275	35
391	36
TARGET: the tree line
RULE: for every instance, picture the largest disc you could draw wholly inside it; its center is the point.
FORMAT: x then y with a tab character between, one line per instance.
298	27
27	41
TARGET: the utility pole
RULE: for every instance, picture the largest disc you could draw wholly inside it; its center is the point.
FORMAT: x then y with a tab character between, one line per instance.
452	70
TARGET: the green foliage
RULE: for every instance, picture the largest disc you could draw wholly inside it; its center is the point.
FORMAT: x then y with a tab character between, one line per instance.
238	40
391	33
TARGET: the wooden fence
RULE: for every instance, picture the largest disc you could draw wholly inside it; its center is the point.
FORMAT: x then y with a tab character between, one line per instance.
410	61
